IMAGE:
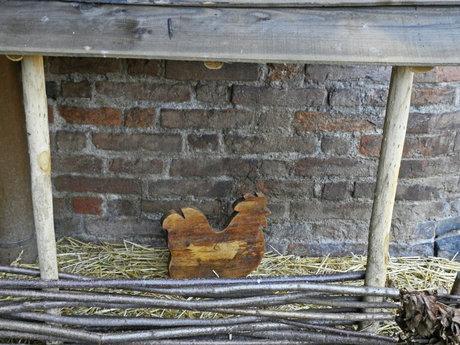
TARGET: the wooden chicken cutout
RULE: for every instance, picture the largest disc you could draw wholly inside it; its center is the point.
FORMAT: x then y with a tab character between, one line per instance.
198	251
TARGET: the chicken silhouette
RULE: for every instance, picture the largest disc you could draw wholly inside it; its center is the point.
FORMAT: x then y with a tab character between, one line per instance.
198	251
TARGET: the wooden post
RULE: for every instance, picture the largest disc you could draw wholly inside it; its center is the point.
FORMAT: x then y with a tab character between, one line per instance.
394	133
456	287
36	110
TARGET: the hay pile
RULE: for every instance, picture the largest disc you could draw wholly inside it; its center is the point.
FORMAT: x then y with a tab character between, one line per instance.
130	260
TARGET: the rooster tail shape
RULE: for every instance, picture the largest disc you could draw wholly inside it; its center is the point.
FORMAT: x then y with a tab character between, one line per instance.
197	250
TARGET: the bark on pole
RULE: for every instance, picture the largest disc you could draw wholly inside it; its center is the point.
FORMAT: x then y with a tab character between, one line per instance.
394	133
16	228
36	110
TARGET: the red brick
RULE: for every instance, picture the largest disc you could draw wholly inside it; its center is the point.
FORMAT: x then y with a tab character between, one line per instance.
291	98
77	164
140	117
50	114
191	70
136	166
345	97
92	116
276	188
336	145
439	74
134	142
413	146
87	205
160	207
64	65
81	89
283	73
417	192
144	91
82	184
144	67
324	122
432	96
200	118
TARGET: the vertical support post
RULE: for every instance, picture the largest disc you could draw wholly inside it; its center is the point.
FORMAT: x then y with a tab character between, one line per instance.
36	111
394	133
456	287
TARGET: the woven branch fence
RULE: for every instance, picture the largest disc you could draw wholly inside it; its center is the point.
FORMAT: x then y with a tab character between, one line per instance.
324	309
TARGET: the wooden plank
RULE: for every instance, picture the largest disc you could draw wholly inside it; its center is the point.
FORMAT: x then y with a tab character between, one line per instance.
272	3
384	35
36	110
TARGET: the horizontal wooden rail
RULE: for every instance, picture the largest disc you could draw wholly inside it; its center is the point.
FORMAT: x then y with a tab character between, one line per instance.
384	35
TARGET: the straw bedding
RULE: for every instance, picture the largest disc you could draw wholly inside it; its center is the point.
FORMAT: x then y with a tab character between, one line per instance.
130	260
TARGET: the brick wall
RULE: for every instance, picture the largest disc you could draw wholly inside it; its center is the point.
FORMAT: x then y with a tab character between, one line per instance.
134	138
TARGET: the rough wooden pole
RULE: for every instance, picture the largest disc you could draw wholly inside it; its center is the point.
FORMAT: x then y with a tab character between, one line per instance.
36	110
456	287
394	132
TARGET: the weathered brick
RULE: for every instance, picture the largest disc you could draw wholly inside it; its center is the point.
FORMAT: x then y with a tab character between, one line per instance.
416	192
81	89
189	187
191	70
345	97
273	121
203	142
265	96
132	142
64	65
212	93
50	114
87	205
336	145
263	144
77	164
414	168
144	91
139	117
324	122
92	116
439	74
117	230
70	141
123	207
228	167
82	184
150	68
285	188
61	207
335	191
432	96
135	166
206	119
319	210
364	190
430	123
413	146
211	208
322	73
285	74
51	89
334	167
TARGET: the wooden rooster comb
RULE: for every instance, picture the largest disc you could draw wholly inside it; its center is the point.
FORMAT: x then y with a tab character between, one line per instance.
198	251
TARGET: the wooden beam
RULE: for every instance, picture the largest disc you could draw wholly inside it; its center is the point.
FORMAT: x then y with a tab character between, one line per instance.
36	110
273	3
383	35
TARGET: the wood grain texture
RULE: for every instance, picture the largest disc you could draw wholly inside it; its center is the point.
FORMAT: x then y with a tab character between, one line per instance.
383	35
199	251
271	3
